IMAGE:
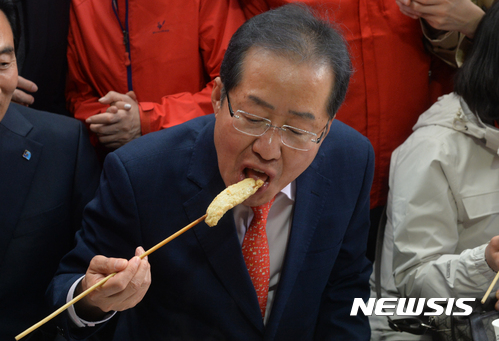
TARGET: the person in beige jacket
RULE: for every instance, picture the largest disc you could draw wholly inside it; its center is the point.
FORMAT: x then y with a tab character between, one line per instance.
441	238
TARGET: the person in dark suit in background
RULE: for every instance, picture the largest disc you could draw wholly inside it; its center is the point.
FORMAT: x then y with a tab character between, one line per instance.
283	78
48	172
41	54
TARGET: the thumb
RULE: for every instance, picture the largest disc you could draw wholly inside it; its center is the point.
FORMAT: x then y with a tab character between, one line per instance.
132	95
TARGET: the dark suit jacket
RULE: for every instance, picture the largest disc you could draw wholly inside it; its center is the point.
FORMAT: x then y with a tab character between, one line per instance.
41	202
41	52
200	287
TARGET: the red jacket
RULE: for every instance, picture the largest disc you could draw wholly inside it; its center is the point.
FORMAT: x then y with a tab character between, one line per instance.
391	86
172	52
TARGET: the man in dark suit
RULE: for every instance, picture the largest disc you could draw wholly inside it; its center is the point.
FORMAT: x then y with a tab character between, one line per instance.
48	172
283	78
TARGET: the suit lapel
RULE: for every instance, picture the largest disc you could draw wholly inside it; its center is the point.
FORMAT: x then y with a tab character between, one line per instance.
16	171
310	200
220	243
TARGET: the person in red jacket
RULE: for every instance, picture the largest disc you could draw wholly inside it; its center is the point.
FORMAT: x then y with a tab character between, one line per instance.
395	78
140	66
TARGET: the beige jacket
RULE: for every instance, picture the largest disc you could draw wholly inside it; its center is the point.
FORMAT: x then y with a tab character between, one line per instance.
443	208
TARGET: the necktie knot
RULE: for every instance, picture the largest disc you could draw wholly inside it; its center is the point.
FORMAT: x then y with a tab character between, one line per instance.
261	212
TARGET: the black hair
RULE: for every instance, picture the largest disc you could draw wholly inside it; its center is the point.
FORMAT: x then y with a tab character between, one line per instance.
477	81
294	32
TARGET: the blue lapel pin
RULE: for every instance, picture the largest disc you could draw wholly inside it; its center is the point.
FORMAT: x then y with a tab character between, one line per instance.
27	154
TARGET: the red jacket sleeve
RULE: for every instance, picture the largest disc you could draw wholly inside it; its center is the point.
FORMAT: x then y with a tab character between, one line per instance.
81	97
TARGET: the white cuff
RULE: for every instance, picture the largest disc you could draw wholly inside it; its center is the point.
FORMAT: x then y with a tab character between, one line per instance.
481	265
72	313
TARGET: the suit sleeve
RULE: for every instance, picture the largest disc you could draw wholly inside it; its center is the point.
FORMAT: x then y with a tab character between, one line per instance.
218	22
110	227
87	174
349	277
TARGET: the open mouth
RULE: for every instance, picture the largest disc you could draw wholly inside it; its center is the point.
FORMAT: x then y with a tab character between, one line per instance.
256	174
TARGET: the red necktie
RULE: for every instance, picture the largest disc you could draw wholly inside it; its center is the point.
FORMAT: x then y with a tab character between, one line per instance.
255	250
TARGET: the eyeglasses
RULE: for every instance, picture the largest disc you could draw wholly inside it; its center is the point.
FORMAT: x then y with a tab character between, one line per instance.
291	137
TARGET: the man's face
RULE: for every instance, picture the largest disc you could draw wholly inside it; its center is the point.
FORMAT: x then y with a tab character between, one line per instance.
285	92
8	66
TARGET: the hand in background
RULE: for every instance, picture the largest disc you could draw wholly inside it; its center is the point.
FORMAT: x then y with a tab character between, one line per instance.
492	253
20	96
120	123
447	15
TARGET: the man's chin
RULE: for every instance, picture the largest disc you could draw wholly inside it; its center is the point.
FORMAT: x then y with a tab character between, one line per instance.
258	199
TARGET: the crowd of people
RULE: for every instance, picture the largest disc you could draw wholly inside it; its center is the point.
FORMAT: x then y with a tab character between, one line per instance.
349	112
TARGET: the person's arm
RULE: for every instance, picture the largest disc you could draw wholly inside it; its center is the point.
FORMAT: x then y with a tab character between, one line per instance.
111	227
425	217
81	97
349	277
448	25
446	15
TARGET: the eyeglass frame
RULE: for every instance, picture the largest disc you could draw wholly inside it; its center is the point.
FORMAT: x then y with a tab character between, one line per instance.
282	128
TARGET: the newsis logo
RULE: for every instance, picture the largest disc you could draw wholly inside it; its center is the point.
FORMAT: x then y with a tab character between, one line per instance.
413	306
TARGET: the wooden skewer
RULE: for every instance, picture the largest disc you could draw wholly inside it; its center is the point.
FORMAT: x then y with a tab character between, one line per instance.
104	280
490	288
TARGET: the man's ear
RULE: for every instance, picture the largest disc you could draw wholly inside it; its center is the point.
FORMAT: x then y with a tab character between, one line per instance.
216	95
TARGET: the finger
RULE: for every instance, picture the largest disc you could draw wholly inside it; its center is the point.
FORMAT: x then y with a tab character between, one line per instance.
138	292
112	109
132	95
406	10
105	118
95	128
110	97
111	145
20	97
403	2
139	284
120	283
115	291
26	84
113	141
105	266
427	2
139	280
410	13
121	105
111	132
425	8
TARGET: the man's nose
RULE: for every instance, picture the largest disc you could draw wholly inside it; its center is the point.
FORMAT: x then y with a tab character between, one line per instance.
269	145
